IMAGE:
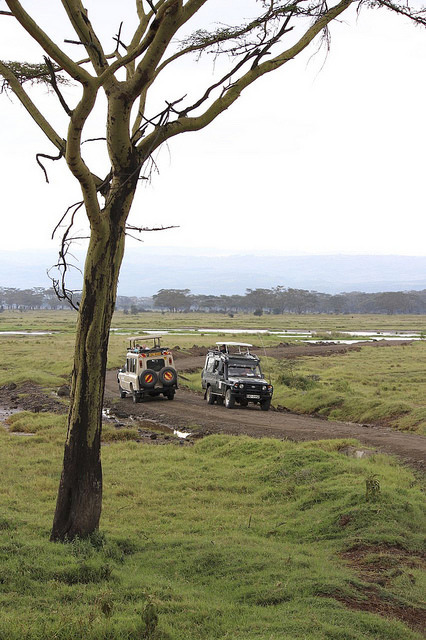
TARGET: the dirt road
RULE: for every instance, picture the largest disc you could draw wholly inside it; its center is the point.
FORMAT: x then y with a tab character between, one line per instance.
190	411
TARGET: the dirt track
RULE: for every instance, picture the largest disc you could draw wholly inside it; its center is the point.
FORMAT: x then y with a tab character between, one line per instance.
189	410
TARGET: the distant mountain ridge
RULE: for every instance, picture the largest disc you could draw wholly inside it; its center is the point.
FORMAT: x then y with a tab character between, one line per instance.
146	270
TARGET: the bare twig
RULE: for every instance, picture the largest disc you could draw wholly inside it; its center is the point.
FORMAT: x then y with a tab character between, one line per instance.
92	140
117	38
61	98
130	227
45	155
151	4
83	44
63	265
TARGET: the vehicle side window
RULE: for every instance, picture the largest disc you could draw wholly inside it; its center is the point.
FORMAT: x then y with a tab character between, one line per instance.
131	365
210	364
216	366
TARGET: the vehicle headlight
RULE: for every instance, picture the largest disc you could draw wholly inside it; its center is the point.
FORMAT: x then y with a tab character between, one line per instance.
264	387
241	386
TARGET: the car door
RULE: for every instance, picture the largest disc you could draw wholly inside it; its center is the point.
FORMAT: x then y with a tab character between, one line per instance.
129	377
216	374
208	376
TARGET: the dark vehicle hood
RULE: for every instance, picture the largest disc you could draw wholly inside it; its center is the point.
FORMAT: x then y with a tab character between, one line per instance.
254	381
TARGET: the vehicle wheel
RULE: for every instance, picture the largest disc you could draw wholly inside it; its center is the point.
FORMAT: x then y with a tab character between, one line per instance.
170	394
123	394
229	399
209	396
148	379
244	402
167	376
219	400
265	404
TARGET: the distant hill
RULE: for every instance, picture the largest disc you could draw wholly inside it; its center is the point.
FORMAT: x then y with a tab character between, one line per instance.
146	270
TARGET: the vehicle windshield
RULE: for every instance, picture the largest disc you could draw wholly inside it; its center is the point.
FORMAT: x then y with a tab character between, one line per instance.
244	371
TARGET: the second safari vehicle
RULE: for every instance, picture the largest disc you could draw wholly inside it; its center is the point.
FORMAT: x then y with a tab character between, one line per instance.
232	374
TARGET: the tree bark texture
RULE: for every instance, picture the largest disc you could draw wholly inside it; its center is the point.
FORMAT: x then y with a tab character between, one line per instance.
79	501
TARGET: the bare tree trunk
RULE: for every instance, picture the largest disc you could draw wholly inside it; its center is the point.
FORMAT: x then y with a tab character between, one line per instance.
79	501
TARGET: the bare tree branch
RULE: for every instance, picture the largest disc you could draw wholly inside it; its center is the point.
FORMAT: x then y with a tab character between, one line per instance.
130	227
232	92
63	265
418	16
79	19
44	155
55	86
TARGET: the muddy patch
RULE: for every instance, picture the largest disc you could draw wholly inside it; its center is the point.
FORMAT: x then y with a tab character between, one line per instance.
378	566
381	563
30	397
145	430
371	600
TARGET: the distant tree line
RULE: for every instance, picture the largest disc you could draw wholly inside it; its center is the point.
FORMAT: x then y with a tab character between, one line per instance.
27	299
288	300
41	298
259	301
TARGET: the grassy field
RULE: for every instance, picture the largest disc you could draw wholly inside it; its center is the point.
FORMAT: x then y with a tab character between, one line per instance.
43	320
373	385
229	539
232	538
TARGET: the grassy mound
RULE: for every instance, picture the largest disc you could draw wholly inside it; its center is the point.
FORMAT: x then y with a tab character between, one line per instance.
231	538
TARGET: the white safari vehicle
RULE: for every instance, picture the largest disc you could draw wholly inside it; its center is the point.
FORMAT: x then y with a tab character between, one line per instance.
148	371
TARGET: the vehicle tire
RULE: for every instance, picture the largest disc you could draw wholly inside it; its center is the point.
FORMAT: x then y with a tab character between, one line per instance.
123	394
148	379
209	396
265	404
167	376
170	394
229	399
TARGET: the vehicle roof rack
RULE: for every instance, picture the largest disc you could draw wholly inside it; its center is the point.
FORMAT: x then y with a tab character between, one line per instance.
243	347
139	340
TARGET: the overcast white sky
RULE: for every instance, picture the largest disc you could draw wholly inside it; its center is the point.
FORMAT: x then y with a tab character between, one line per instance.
312	160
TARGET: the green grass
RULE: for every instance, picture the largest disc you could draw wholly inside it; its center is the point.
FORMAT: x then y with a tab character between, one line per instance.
43	360
232	538
374	385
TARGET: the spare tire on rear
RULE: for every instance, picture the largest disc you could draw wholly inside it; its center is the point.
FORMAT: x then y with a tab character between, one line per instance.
167	376
148	378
